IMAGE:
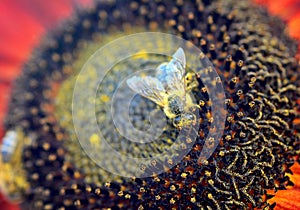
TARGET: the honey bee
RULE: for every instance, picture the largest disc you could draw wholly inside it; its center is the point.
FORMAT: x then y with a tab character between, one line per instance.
12	176
168	90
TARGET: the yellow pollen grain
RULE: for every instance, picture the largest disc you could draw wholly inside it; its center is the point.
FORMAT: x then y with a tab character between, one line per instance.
169	141
207	173
94	139
193	190
104	98
172	201
184	175
172	188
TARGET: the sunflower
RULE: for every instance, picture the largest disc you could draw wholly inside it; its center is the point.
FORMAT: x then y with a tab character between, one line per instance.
236	41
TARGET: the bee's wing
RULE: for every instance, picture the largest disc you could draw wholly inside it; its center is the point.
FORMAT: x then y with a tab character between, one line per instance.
172	74
179	58
149	87
9	143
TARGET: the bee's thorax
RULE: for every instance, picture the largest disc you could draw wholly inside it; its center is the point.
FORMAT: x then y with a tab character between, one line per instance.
175	104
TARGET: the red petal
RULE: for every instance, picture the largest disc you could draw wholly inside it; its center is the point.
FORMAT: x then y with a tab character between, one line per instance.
287	199
295	178
294	24
5	205
288	10
276	7
4	93
22	24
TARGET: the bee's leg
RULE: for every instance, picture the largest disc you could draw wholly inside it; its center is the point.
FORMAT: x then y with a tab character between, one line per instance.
194	107
194	112
197	106
193	85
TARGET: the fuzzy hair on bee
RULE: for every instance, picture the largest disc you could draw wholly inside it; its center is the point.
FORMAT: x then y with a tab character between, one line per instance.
168	89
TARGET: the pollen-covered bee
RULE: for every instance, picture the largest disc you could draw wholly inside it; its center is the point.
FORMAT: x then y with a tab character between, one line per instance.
12	177
168	89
